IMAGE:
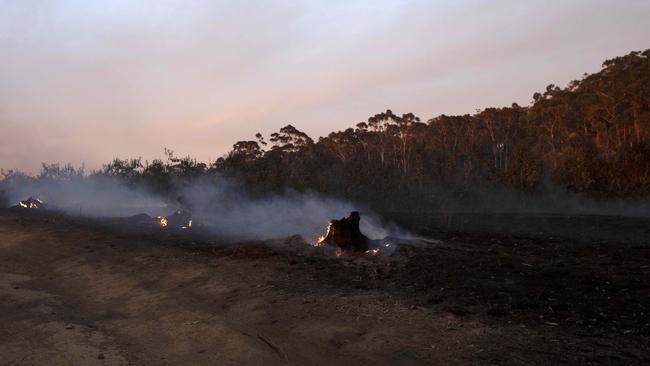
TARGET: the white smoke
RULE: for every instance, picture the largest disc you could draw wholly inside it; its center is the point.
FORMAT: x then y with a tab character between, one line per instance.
219	206
234	213
95	196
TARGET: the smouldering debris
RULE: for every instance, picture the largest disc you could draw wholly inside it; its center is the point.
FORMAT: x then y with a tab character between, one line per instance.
178	220
31	203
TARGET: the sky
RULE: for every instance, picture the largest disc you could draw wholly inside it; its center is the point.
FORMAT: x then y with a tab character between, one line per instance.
85	81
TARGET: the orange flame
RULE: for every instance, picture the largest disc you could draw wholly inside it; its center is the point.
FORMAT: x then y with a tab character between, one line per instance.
321	239
162	221
31	203
373	252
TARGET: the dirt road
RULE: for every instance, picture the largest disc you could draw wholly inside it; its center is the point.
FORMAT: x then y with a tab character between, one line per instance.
73	294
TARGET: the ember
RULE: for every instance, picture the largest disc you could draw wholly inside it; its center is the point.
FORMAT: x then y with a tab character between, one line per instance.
162	221
31	203
179	219
373	252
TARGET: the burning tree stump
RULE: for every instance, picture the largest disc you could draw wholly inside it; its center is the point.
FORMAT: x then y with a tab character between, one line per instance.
345	234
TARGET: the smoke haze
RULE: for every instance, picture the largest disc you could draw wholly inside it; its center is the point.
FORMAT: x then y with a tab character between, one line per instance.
233	213
217	204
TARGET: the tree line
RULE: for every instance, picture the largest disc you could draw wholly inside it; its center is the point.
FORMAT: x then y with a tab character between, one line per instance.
590	137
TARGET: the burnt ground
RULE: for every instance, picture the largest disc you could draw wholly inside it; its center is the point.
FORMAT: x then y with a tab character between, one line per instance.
89	292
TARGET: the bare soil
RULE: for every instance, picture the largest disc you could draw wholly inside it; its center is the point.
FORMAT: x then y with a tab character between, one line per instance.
82	292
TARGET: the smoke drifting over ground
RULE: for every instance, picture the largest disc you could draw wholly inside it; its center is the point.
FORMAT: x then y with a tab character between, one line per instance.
221	208
235	214
89	196
219	205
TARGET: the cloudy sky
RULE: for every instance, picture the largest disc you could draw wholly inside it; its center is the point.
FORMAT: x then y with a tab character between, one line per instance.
85	81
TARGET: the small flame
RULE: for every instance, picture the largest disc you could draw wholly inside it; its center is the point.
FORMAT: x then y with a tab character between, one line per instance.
31	203
339	252
321	239
373	252
162	221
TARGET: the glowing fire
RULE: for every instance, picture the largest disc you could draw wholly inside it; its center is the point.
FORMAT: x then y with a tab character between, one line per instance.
162	221
31	203
373	252
178	219
321	239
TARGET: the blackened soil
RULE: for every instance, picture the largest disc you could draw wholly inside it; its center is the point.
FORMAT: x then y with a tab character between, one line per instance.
455	298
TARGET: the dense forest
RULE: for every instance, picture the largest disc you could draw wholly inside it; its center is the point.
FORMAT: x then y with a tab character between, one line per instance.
591	137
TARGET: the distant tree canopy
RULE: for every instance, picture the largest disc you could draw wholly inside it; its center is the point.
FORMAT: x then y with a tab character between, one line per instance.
592	137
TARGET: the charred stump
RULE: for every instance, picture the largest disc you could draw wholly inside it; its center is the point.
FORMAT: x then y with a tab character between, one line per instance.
345	234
